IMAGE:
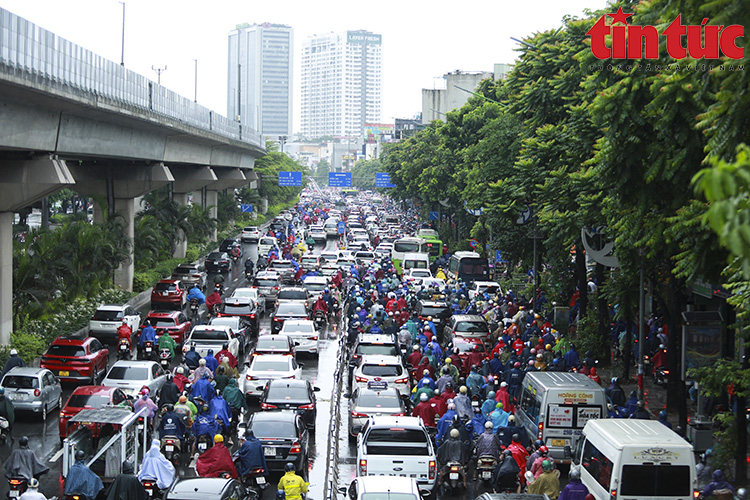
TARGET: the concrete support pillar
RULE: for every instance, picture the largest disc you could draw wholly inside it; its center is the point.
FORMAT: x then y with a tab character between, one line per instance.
124	274
181	248
212	203
6	276
98	214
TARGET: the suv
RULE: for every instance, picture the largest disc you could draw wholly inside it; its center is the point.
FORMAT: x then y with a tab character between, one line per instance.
468	326
439	311
397	446
268	284
108	318
169	293
245	308
175	323
479	287
228	244
265	244
217	262
190	275
294	294
213	337
285	269
76	359
250	234
376	368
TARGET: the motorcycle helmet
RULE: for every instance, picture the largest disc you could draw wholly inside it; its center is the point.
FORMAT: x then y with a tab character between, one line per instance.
289	467
488	425
538	443
546	465
455	433
218	438
34	483
543	450
280	495
575	474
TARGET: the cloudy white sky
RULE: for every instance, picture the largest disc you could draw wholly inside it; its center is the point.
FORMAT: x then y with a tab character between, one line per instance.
422	40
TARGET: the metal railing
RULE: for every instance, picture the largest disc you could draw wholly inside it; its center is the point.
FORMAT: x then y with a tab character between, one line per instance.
44	60
331	481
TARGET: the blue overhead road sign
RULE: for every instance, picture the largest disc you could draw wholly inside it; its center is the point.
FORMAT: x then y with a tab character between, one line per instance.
339	179
290	179
246	208
434	215
383	180
342	227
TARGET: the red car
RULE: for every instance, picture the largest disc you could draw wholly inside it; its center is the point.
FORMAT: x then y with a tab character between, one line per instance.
76	359
169	293
88	396
174	322
465	346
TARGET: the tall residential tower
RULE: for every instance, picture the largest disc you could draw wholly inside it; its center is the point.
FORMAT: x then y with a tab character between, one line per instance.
261	54
341	83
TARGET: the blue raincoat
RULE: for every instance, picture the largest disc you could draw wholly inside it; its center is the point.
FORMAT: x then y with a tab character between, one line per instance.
205	423
251	456
220	410
203	388
444	425
211	362
80	479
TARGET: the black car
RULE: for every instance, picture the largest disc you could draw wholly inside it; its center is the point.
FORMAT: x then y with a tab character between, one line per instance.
440	312
278	225
290	394
245	308
285	269
209	488
228	244
284	437
288	310
217	262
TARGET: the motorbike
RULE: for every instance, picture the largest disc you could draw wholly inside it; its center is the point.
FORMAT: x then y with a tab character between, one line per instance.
194	307
219	287
4	430
148	350
485	466
475	402
171	447
255	479
320	319
123	349
661	375
17	485
165	358
74	495
152	490
249	270
453	480
203	443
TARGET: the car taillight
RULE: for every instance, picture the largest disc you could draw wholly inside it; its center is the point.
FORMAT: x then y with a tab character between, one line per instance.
256	354
399	414
359	415
696	493
296	448
401	380
266	406
37	392
278	319
312	338
363	467
310	406
276	288
360	379
291	376
252	316
250	377
431	473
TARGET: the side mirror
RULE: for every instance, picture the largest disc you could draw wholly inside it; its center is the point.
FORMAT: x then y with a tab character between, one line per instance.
259	387
247	364
316	389
347	395
567	453
301	365
296	344
342	490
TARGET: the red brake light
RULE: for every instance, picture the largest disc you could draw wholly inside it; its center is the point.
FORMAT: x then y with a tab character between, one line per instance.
252	315
360	415
295	448
169	441
312	338
454	469
360	379
266	406
432	470
15	482
401	380
310	406
363	467
250	377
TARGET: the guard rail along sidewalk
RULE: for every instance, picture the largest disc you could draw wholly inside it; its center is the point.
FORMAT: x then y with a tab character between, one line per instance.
332	453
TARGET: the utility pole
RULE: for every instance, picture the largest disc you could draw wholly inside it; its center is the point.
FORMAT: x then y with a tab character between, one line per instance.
195	99
159	71
122	54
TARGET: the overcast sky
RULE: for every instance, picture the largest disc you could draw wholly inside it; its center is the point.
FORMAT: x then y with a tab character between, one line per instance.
422	40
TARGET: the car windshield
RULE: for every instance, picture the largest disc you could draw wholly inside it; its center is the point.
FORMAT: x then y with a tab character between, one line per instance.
434	311
71	351
230	322
468	346
128	373
209	335
365	255
387	495
403	247
298	328
309	260
381	349
266	241
162	322
185	270
292	295
315	287
292	308
215	256
378	400
103	315
92	400
20	382
271	429
264	365
489	289
265	282
281	265
165	287
238	309
246	292
382	370
397	435
418	273
272	343
282	392
642	481
471	326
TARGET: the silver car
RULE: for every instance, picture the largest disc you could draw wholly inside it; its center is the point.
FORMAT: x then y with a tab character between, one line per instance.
131	376
376	368
374	400
33	389
268	367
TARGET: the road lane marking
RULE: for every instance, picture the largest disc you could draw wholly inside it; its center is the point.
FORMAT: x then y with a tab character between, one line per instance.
54	458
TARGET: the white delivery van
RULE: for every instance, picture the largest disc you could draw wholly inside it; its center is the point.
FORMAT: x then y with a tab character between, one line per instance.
413	260
632	459
554	407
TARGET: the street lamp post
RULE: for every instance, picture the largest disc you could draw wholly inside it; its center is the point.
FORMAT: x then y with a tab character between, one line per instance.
159	71
122	53
195	99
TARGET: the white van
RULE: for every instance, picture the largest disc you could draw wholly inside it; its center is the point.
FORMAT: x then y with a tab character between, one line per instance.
554	407
635	459
415	261
265	244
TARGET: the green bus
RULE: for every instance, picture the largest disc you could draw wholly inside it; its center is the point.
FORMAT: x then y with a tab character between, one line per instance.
433	242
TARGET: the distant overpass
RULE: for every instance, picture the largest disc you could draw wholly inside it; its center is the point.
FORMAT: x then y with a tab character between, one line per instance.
70	118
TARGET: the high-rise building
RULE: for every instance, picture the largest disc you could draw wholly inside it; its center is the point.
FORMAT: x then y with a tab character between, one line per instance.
341	83
261	97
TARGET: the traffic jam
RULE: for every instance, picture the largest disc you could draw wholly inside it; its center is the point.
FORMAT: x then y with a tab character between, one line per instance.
449	386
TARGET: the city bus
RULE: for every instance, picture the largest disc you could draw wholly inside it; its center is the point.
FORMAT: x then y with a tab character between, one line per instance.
346	192
406	245
434	244
468	266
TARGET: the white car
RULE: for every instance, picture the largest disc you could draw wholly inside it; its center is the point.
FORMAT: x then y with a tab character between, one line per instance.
212	337
265	244
428	282
131	376
250	234
303	335
318	233
253	293
268	367
367	258
330	257
376	368
107	319
415	273
315	285
403	488
480	287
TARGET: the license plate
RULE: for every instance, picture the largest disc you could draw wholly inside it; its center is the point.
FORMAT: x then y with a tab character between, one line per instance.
260	480
123	347
558	442
165	293
269	451
169	447
150	493
486	474
64	373
13	493
453	475
148	350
